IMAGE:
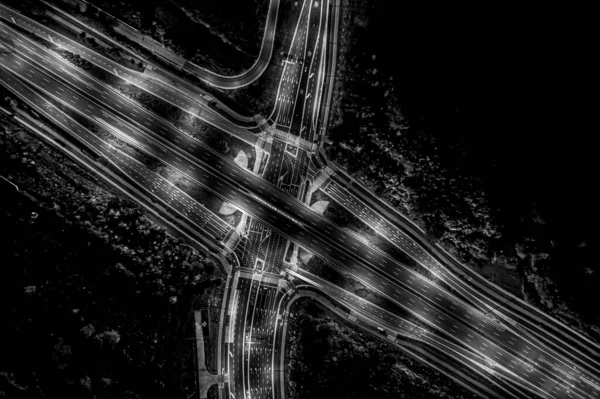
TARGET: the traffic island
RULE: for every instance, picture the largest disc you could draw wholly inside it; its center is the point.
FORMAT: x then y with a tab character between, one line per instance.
205	378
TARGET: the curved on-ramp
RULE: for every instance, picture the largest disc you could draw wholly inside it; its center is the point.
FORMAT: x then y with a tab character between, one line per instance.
221	81
256	70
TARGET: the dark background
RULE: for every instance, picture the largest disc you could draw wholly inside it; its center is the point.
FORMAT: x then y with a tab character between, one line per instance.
514	87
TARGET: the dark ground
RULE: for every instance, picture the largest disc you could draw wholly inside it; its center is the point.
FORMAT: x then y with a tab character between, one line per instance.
96	300
512	86
329	359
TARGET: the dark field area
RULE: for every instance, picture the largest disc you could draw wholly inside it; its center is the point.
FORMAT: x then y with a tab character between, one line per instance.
329	359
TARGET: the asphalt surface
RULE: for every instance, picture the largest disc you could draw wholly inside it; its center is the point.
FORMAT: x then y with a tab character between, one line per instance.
484	362
295	96
255	315
289	81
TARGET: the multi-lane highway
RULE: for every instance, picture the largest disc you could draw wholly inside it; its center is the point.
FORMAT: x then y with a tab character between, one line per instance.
294	96
484	294
549	372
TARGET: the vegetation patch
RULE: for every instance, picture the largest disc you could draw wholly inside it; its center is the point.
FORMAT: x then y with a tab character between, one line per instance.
102	306
52	20
327	357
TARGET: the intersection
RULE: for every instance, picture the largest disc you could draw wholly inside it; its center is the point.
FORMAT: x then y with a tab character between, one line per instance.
527	359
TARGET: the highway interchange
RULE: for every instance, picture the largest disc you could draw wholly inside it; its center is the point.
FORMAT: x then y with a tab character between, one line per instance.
528	359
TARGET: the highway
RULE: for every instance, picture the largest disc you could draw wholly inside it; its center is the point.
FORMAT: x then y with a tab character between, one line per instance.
328	70
283	213
252	348
197	106
474	290
259	341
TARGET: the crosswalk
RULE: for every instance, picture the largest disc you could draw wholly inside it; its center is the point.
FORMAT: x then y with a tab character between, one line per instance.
321	177
233	239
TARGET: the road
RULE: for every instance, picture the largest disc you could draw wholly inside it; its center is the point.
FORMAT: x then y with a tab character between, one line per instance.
485	361
210	77
290	218
196	106
170	80
155	185
361	318
293	112
469	284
